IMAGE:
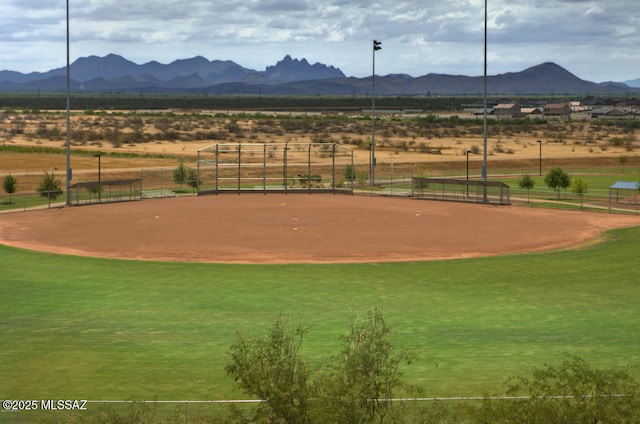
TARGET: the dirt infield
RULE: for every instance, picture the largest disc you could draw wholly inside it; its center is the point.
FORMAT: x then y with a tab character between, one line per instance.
300	228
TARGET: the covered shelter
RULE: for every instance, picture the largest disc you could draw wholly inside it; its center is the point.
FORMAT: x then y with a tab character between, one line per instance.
627	189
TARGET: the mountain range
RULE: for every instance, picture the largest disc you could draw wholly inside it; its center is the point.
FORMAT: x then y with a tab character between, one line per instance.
115	74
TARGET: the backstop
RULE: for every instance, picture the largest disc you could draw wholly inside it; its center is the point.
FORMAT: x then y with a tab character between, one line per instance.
454	190
278	167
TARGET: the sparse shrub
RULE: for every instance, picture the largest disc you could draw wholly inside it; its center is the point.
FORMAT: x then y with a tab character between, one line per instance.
271	368
526	182
579	187
365	144
185	175
573	392
192	178
364	374
620	141
310	180
350	173
351	389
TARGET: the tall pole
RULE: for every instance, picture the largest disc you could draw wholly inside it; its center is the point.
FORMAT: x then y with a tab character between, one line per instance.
99	178
484	161
69	176
99	171
468	151
377	45
540	142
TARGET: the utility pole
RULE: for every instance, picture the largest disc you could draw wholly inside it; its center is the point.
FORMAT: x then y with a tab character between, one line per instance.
69	176
377	45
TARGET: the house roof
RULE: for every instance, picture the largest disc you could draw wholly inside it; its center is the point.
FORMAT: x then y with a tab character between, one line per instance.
608	110
505	106
481	111
529	110
556	106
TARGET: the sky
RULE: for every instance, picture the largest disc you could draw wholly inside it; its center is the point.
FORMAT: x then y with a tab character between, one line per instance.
596	40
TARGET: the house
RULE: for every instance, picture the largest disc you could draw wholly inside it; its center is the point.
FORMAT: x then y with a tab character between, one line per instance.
480	112
557	110
532	112
507	110
608	112
578	107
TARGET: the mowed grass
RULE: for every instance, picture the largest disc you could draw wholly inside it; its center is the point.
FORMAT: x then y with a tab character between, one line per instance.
91	328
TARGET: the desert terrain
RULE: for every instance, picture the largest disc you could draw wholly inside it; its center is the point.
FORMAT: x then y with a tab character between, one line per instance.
436	143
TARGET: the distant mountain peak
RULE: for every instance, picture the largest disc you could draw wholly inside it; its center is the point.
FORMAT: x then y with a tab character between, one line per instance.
289	69
290	76
633	83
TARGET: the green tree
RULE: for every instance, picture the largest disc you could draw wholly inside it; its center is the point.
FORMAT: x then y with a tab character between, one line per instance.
352	389
49	187
623	161
180	175
557	179
9	185
573	392
350	173
365	373
192	178
579	187
270	367
362	178
526	182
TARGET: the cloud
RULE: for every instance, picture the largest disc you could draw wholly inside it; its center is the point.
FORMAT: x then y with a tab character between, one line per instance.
418	36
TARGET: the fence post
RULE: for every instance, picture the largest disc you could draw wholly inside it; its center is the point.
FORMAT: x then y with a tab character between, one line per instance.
239	167
198	173
309	169
285	171
333	168
264	168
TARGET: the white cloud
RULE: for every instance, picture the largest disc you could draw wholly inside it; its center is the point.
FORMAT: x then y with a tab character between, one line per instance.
595	39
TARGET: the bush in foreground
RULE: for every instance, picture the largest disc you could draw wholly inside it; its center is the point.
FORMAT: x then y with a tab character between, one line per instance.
352	389
573	392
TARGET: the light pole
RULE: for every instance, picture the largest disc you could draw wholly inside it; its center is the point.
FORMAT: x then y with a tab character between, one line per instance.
540	143
484	161
468	151
69	172
99	179
377	45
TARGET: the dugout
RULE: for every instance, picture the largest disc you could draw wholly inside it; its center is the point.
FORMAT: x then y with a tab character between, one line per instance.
454	190
624	192
91	192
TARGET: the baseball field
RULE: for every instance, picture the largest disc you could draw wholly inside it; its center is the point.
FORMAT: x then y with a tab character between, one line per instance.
477	292
143	300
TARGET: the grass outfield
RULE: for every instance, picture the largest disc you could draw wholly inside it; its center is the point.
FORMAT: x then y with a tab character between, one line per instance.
91	328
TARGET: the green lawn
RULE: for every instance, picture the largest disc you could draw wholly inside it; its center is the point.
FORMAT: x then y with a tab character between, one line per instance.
110	329
595	181
25	201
